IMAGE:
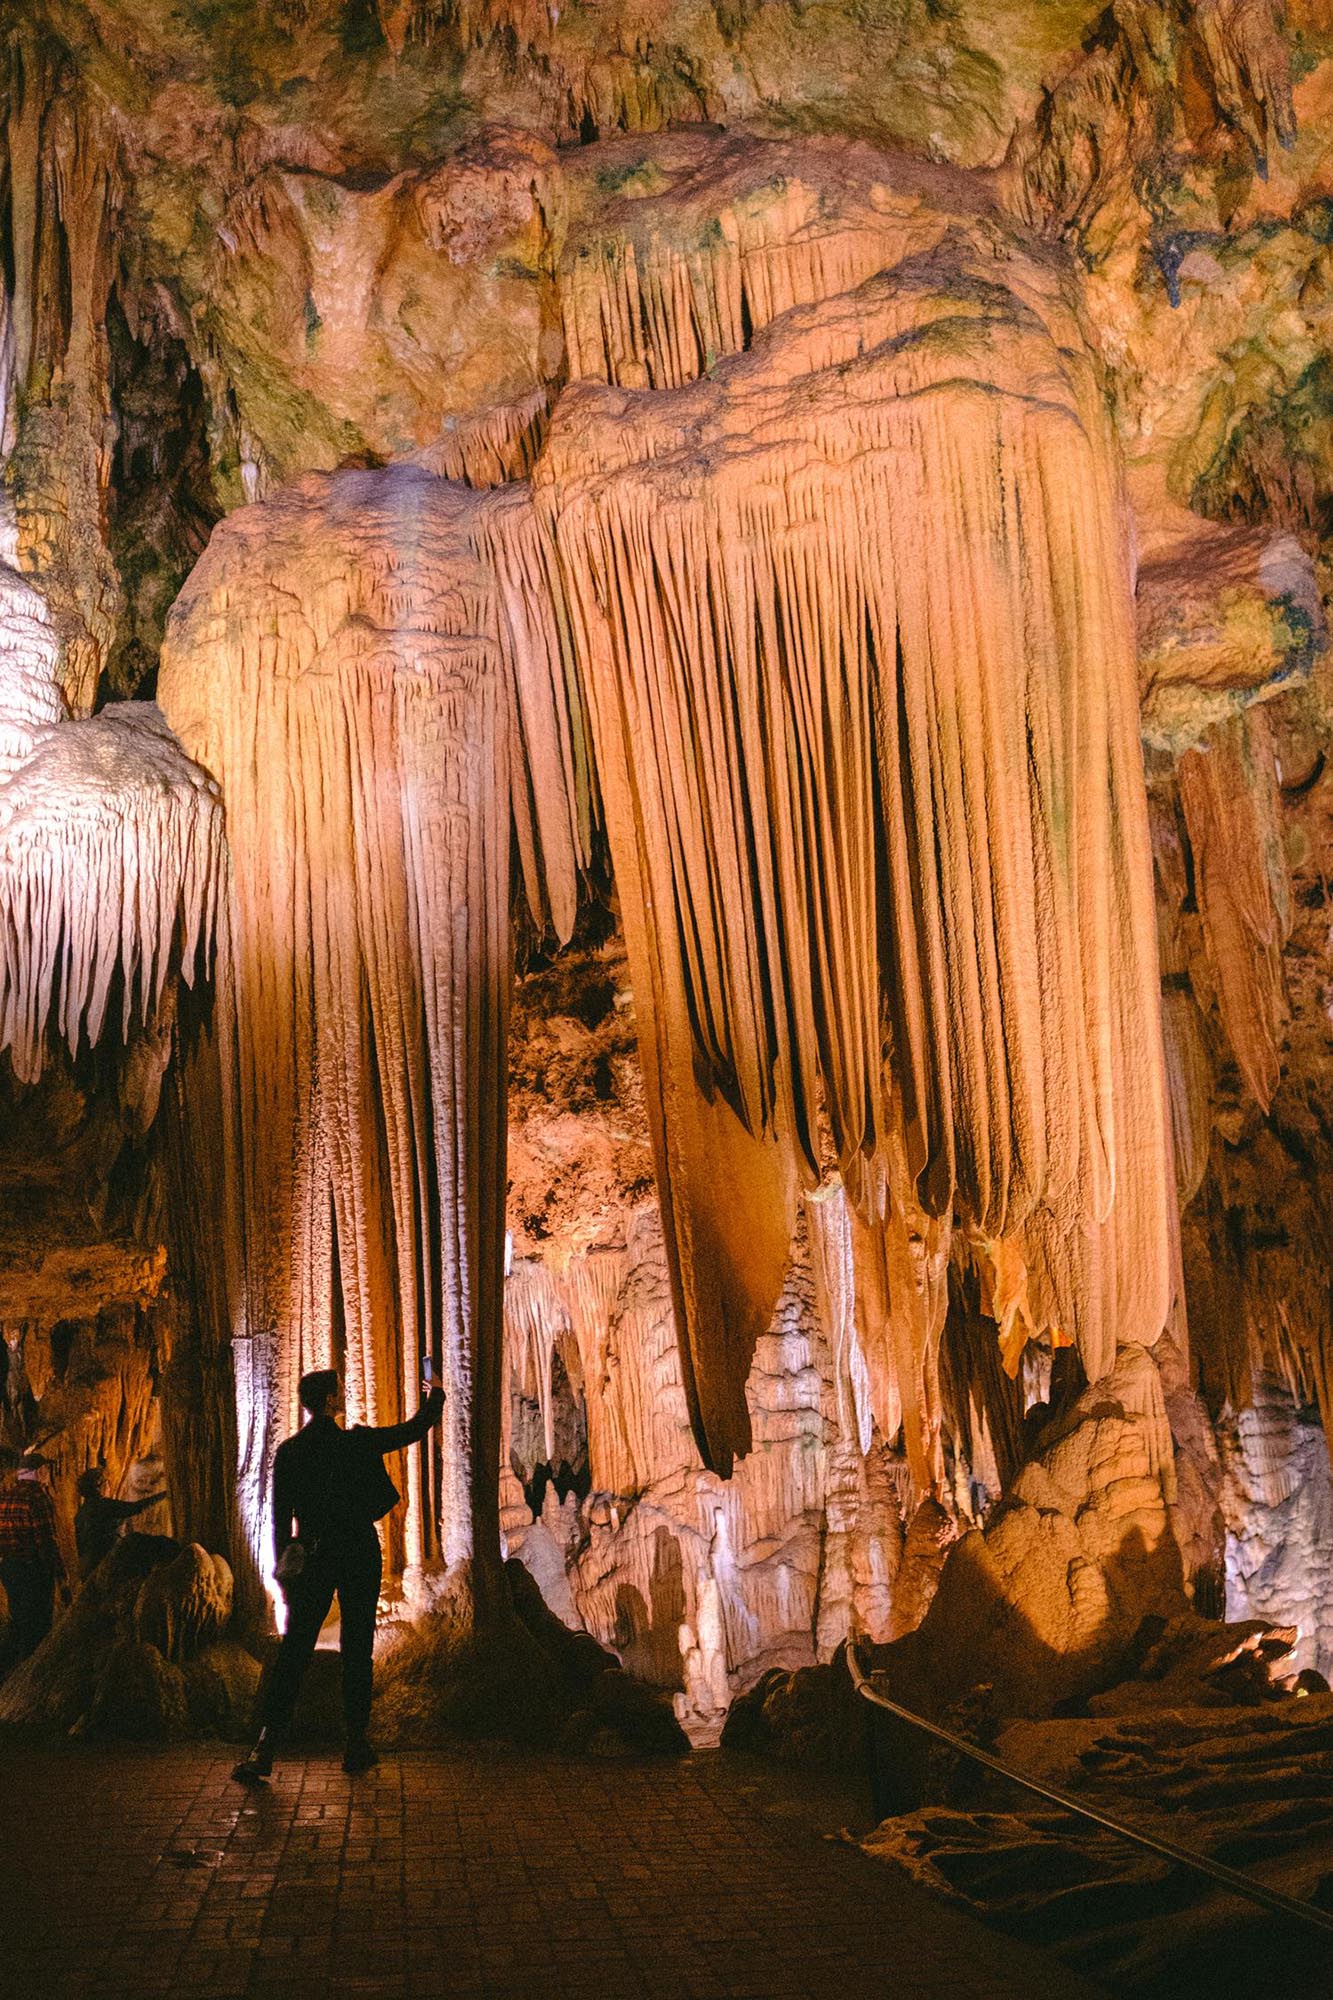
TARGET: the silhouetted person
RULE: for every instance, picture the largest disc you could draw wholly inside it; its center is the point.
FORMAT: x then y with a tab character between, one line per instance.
31	1564
329	1489
100	1518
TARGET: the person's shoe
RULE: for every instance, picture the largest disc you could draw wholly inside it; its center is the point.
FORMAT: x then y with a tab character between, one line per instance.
257	1768
359	1756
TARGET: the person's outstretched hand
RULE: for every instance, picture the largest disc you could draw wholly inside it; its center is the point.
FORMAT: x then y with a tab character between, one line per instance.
432	1394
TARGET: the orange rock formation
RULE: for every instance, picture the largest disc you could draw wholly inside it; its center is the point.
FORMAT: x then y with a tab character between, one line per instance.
855	621
352	632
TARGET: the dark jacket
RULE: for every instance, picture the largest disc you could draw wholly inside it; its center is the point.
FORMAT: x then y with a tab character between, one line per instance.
330	1484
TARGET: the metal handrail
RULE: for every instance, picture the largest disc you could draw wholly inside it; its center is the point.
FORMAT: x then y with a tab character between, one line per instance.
1187	1857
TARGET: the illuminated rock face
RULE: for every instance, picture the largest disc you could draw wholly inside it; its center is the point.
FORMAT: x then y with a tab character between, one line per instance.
341	663
855	620
1083	1545
1278	1501
111	858
699	1583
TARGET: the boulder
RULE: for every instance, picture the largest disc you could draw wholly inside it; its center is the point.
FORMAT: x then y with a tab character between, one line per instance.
185	1603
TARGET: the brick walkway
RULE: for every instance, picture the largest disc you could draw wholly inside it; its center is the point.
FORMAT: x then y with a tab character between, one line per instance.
138	1873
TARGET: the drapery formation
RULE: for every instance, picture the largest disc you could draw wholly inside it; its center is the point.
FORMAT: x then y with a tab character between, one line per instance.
343	662
850	611
717	240
110	848
1229	794
854	620
110	860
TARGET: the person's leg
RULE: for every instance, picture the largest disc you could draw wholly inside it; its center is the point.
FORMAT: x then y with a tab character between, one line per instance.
13	1575
358	1600
307	1608
44	1604
30	1588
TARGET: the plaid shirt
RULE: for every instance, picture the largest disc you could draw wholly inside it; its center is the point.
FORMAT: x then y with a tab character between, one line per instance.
27	1521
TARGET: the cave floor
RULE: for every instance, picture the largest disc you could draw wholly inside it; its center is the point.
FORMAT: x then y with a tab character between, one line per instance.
145	1872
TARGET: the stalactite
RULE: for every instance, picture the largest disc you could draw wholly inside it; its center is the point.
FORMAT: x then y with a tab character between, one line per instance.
1189	1070
535	1318
984	1399
496	446
1250	59
1229	792
854	620
89	191
341	661
591	1290
30	90
65	190
1010	1295
550	777
832	1262
900	1261
665	284
8	375
110	861
1189	1077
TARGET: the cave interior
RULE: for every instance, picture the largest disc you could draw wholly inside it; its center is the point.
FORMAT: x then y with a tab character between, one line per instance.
664	740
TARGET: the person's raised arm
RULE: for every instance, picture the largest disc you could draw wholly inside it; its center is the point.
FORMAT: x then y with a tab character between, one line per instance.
392	1437
125	1510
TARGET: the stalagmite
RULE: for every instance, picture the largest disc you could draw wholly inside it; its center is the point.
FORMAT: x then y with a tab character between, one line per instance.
854	620
1278	1501
342	662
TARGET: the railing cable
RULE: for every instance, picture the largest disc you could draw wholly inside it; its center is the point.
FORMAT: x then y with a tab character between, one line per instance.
1170	1850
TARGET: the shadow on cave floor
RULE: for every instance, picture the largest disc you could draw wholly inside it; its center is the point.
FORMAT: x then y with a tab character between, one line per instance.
495	1874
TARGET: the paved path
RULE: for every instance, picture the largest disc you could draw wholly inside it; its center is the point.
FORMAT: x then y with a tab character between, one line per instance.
137	1873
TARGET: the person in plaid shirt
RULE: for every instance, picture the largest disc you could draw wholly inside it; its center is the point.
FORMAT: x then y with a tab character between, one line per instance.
31	1564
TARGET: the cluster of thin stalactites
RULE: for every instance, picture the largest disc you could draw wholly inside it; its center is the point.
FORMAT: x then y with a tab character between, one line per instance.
844	630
